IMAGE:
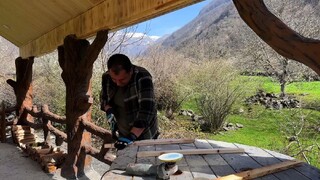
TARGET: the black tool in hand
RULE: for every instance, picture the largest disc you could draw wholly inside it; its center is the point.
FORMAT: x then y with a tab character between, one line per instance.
123	142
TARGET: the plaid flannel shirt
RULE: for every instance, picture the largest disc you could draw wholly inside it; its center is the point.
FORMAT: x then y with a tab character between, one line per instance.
139	100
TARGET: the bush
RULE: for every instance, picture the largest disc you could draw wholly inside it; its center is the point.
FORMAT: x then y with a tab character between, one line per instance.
166	66
214	92
168	96
300	132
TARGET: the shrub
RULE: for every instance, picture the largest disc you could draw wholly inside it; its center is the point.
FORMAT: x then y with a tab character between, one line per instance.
215	92
166	66
300	130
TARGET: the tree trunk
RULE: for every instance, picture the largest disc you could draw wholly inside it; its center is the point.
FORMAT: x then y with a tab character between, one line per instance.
23	88
278	35
76	58
282	89
283	78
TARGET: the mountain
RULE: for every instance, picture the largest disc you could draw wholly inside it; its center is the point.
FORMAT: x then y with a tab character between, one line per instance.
219	32
208	16
131	43
213	24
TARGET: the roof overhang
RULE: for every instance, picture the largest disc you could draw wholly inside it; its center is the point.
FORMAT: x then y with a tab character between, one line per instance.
38	27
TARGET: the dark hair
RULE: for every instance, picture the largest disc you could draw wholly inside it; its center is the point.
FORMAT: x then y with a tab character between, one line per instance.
117	62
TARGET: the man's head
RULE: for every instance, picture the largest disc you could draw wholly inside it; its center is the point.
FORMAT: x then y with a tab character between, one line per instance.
120	69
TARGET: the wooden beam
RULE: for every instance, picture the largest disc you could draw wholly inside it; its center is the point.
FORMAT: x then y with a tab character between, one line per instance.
191	152
278	35
255	173
152	142
109	14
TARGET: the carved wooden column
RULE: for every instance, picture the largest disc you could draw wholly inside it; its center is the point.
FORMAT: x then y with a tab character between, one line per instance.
278	35
23	88
76	58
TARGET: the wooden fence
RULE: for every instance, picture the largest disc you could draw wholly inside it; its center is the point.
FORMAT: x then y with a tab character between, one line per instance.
46	154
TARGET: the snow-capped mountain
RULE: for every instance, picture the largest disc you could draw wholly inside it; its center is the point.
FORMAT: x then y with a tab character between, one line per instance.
129	43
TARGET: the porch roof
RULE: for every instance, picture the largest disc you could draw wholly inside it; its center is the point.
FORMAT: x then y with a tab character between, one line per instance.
39	26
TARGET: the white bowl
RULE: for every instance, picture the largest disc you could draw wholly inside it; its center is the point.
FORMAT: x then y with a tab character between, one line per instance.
170	157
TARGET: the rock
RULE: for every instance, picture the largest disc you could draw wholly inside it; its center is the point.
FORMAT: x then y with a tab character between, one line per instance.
197	118
189	114
238	125
169	113
292	138
304	94
183	112
225	128
271	101
190	111
230	125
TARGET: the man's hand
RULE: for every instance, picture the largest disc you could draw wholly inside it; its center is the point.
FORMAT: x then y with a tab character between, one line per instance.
123	142
110	115
112	122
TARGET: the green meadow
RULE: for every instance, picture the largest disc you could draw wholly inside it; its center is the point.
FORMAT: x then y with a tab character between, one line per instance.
275	129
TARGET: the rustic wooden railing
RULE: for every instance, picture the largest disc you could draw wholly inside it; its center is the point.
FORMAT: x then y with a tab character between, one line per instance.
3	122
45	124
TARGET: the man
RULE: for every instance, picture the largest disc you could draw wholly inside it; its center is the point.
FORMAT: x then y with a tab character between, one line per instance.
127	97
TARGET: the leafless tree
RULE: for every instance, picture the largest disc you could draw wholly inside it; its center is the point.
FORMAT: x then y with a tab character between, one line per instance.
8	54
166	66
117	42
260	57
297	126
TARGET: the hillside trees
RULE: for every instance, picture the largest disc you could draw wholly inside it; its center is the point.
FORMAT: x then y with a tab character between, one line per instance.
47	82
259	57
8	54
166	66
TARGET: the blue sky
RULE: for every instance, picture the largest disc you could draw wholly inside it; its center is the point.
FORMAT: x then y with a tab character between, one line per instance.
171	22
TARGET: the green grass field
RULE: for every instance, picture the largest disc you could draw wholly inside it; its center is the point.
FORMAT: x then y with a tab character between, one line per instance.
269	129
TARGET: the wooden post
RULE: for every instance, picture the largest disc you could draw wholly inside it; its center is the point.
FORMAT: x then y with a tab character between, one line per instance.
46	132
76	58
23	88
3	122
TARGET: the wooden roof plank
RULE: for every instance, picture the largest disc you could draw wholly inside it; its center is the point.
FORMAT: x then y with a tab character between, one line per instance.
238	162
218	165
109	14
259	172
305	169
198	166
266	159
